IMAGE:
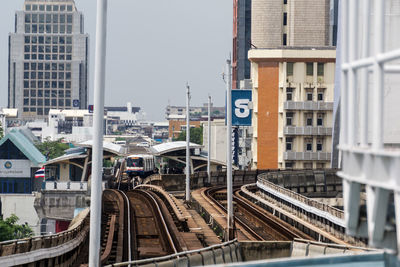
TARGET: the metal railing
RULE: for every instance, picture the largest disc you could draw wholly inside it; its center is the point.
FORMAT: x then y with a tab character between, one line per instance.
307	130
291	155
307	105
180	254
367	57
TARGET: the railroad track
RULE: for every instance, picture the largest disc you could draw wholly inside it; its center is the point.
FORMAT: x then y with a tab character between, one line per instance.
253	219
136	225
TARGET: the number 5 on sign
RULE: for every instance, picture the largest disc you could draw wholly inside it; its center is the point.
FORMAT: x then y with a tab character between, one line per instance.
241	107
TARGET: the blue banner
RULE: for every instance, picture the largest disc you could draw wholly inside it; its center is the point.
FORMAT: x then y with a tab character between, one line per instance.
241	112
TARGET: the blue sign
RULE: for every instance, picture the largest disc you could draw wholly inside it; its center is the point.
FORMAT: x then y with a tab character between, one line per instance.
75	103
241	112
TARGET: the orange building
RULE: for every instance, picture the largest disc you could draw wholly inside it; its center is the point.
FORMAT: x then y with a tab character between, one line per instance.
177	126
293	103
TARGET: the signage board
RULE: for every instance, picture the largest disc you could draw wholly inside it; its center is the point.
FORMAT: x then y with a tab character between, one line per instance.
241	111
75	103
15	168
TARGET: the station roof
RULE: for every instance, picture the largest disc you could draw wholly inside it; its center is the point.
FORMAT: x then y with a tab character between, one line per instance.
109	147
25	145
64	158
164	148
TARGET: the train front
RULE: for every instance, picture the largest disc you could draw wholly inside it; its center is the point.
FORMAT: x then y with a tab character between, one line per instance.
134	166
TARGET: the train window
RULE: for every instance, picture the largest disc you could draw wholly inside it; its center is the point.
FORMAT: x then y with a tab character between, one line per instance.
135	162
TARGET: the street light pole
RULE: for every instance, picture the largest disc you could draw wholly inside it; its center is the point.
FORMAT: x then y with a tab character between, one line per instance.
209	141
97	151
187	198
230	233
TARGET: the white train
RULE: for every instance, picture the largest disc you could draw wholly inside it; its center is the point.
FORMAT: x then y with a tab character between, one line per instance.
140	165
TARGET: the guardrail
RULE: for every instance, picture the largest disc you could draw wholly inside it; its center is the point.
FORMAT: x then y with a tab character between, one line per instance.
227	252
45	248
75	186
307	105
307	130
291	155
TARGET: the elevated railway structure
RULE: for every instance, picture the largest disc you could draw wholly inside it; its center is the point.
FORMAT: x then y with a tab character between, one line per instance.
146	222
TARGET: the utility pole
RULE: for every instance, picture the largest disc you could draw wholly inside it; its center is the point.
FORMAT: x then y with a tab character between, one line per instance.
97	152
209	141
229	191
187	143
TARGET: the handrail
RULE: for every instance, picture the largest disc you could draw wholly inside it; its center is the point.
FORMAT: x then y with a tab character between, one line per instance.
168	257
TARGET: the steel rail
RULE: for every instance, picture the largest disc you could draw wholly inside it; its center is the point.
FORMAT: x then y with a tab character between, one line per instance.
129	224
210	191
169	237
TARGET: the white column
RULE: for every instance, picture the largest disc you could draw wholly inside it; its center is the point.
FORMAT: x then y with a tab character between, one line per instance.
97	154
187	194
229	148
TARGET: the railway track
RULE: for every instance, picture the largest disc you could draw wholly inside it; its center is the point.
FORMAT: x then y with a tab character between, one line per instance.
136	225
253	219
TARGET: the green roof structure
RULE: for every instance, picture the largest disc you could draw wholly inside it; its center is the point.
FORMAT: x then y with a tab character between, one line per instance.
25	146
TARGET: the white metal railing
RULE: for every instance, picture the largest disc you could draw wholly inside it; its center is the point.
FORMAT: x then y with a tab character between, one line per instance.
307	130
307	105
365	161
291	155
72	186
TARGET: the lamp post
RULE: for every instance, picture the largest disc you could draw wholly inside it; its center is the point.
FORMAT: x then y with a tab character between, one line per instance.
187	195
230	233
209	141
97	152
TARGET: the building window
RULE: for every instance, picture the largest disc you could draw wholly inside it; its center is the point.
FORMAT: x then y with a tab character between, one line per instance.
320	119
289	94
309	94
310	69
319	144
320	165
289	165
289	118
285	2
307	165
289	143
320	95
289	68
309	119
284	39
320	70
284	18
308	144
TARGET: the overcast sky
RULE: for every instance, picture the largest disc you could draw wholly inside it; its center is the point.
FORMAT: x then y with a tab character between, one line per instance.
153	48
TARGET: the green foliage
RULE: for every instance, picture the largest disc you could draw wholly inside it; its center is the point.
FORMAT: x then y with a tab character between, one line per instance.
52	149
107	163
196	136
120	139
9	229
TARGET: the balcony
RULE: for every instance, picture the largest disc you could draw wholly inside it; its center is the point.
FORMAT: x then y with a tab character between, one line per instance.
307	105
291	155
307	130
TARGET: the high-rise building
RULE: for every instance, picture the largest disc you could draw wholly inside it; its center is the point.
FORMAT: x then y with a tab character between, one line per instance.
241	41
292	73
48	59
277	23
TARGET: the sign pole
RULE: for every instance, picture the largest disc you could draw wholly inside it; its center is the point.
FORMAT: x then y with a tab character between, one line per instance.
229	191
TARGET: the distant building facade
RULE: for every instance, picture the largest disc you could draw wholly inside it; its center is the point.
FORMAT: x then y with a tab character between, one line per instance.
241	41
48	59
290	23
179	112
293	105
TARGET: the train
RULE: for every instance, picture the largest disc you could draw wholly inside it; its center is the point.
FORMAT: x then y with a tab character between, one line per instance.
140	165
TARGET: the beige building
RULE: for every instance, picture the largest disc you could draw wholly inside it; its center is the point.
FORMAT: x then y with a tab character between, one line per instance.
293	103
276	23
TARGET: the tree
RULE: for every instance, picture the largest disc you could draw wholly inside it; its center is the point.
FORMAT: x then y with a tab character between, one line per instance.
196	135
9	229
52	149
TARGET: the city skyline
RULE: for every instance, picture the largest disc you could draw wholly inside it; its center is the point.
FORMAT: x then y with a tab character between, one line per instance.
173	54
